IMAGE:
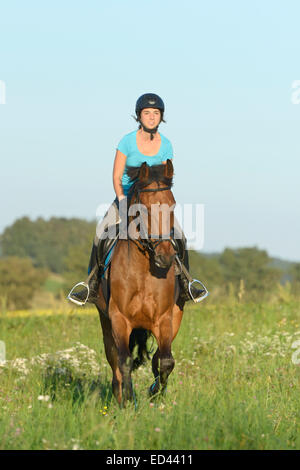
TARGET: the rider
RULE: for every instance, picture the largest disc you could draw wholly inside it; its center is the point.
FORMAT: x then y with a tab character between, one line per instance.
148	145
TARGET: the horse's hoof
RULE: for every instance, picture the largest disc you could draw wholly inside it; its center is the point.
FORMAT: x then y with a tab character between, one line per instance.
154	389
134	400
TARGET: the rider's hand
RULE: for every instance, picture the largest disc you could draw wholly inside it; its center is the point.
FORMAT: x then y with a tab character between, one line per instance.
122	206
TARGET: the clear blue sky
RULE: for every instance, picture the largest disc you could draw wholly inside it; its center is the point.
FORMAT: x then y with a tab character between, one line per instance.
73	71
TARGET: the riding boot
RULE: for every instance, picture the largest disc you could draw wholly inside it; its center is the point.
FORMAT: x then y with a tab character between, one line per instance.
184	283
93	281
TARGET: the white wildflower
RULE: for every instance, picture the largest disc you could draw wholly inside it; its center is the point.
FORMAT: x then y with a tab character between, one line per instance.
43	397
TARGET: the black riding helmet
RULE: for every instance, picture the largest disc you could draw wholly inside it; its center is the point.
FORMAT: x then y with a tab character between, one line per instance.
149	100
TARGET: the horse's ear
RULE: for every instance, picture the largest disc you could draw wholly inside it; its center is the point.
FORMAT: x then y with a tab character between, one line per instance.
169	170
144	172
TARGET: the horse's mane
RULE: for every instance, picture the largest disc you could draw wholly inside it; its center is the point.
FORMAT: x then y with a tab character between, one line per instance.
156	175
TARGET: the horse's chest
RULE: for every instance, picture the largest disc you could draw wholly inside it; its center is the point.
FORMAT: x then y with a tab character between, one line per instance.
150	297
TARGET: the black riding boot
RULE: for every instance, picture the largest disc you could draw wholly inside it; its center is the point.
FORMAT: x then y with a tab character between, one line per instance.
184	283
93	282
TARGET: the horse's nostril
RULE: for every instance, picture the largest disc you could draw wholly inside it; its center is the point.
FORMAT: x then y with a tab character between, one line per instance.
162	261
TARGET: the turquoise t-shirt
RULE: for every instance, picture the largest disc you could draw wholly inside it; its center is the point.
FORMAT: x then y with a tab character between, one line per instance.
128	147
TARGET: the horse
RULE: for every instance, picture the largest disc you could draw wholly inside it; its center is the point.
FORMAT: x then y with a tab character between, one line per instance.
144	298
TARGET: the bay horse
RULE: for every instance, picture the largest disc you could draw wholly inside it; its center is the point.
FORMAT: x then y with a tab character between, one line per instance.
143	289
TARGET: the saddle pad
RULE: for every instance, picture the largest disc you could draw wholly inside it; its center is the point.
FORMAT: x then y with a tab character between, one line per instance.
108	258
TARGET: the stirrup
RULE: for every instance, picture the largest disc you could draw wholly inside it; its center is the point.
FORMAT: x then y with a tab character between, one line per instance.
199	299
78	302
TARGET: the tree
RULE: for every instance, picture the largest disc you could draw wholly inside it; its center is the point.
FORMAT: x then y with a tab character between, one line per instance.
295	273
76	264
252	266
46	242
205	269
19	280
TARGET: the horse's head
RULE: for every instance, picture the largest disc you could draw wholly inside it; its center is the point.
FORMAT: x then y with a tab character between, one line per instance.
152	197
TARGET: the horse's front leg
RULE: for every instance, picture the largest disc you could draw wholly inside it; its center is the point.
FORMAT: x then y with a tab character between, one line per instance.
121	330
155	369
164	336
176	322
111	355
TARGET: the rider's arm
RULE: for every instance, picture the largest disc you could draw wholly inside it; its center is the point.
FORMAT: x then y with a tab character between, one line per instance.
119	167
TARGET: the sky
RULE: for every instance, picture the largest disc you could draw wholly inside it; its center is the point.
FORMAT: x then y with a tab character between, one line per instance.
73	71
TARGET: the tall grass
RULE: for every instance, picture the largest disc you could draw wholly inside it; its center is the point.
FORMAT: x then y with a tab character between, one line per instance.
234	385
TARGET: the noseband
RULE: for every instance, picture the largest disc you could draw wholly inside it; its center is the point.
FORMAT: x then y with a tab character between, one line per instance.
147	244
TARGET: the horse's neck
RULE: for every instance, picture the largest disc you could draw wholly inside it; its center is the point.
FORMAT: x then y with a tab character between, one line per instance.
139	262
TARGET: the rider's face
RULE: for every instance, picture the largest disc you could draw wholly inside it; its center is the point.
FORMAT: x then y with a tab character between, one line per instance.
150	117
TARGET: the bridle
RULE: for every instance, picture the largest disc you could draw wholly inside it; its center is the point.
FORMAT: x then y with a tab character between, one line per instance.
146	244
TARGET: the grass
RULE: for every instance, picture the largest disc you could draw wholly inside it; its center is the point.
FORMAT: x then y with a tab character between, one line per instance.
234	385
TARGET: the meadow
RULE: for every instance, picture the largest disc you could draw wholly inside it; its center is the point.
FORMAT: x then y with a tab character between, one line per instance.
234	386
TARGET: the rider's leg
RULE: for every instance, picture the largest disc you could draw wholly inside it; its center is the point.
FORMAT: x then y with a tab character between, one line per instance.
102	231
183	280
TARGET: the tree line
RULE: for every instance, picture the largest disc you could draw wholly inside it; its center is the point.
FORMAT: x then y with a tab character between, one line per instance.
30	250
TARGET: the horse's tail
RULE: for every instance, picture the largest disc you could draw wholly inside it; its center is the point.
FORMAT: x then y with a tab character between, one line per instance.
139	338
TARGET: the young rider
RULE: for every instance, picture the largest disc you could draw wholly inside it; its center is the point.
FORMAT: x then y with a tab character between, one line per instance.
148	145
